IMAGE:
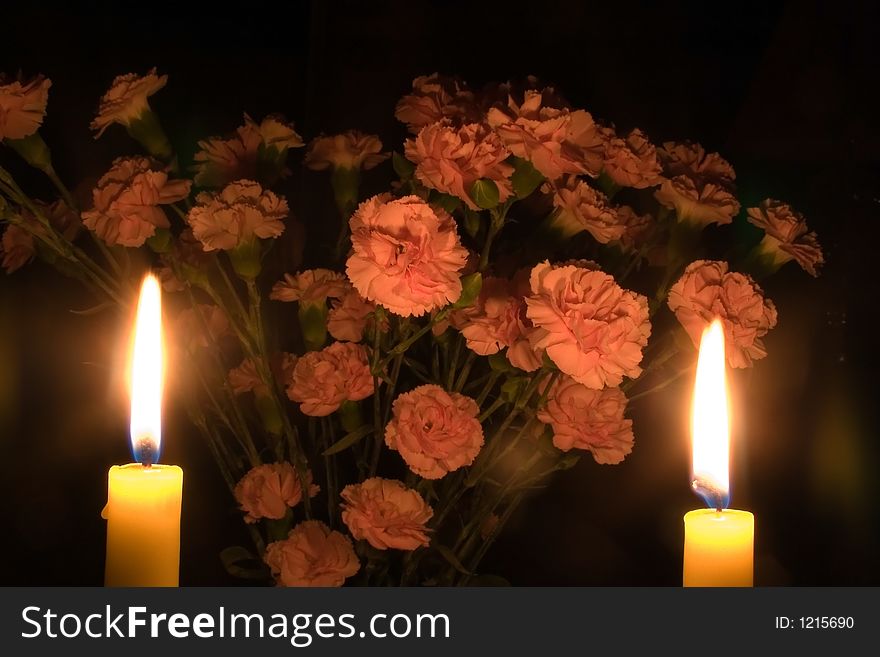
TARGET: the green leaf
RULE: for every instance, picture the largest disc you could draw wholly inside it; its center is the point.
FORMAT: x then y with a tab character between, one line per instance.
525	178
499	363
348	440
470	290
485	194
449	555
446	201
512	388
402	167
472	222
239	562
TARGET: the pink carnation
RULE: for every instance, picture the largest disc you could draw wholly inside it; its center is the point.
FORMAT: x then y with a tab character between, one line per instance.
406	255
22	106
434	98
126	201
245	377
632	162
386	514
222	160
708	290
435	431
242	211
556	141
202	327
350	316
323	380
451	159
636	227
17	247
698	203
699	186
350	150
497	320
269	490
580	207
584	418
592	328
787	237
313	286
126	100
690	159
312	555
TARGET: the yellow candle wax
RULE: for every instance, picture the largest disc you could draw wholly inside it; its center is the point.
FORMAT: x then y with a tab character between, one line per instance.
718	548
143	525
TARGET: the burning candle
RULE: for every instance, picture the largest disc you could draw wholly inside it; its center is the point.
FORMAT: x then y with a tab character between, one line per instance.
143	498
718	542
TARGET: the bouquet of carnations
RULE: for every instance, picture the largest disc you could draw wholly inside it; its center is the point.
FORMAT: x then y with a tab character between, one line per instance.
476	329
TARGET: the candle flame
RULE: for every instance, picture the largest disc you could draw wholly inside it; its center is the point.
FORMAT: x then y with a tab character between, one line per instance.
710	420
147	364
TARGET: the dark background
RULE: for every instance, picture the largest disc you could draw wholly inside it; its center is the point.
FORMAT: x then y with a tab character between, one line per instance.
783	90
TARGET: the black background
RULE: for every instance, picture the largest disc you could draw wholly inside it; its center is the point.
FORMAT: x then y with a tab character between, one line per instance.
785	91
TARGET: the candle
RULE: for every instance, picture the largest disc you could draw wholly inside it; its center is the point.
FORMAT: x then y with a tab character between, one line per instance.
718	542
143	498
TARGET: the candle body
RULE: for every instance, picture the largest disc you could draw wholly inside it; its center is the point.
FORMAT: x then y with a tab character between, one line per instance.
719	548
143	525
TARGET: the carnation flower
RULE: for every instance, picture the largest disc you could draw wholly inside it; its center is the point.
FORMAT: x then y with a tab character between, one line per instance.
311	287
632	162
221	160
406	255
786	235
636	227
434	98
126	201
435	431
350	316
269	490
202	326
451	159
580	207
556	141
386	514
18	247
240	212
323	380
592	329
708	290
497	320
700	204
312	555
245	377
350	150
276	133
22	106
690	159
126	100
589	419
699	186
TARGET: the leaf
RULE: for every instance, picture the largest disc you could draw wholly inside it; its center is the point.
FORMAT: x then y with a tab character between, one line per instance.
402	167
485	193
446	201
449	555
512	388
525	178
348	440
470	290
239	562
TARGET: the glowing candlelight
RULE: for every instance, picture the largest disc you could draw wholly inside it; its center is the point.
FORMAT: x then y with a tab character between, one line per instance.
143	498
718	544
